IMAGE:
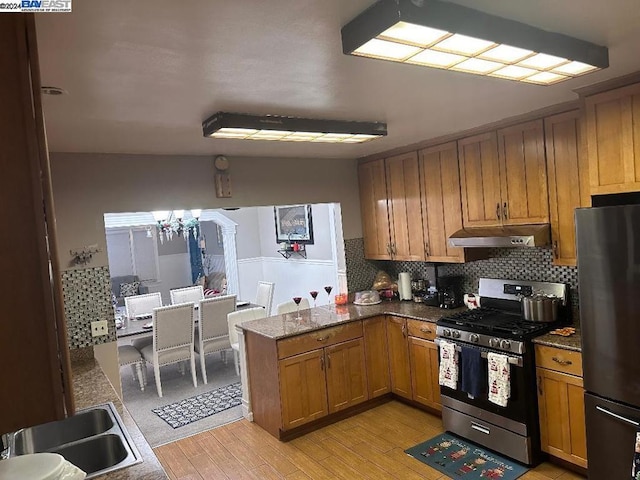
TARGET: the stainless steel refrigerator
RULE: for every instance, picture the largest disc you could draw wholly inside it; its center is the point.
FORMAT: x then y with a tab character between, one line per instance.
608	240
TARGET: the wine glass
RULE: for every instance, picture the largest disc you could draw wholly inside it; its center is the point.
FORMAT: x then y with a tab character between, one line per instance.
328	289
297	300
314	295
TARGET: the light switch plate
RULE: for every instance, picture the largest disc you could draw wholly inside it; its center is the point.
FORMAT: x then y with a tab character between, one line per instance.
99	328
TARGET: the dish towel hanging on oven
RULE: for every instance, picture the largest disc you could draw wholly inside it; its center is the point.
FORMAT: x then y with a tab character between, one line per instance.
473	376
448	375
499	378
635	471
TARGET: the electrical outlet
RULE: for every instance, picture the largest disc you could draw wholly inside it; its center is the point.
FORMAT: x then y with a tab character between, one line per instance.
99	328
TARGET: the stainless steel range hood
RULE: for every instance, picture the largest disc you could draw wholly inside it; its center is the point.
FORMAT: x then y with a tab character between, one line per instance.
507	236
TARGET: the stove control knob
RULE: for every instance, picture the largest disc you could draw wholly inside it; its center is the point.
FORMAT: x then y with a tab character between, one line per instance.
455	333
446	332
505	344
494	342
474	338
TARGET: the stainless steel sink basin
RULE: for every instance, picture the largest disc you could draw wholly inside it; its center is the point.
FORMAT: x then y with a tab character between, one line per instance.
42	438
94	440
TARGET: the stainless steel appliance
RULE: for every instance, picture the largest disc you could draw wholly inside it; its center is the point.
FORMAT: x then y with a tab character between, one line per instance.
498	326
505	236
608	241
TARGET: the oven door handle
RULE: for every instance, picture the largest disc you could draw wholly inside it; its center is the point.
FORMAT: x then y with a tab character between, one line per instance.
517	361
480	428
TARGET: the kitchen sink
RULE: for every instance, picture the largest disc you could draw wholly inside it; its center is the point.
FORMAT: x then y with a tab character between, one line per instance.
94	440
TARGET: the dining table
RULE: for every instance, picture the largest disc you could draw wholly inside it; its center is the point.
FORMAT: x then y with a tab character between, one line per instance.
141	326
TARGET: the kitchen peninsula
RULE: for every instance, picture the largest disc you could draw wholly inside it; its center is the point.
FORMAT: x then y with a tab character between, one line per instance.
335	361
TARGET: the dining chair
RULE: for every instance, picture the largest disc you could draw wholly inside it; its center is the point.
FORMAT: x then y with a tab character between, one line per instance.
291	307
213	335
235	318
188	294
129	355
173	338
142	305
264	296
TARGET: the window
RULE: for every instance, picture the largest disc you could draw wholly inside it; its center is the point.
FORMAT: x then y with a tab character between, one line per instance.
133	251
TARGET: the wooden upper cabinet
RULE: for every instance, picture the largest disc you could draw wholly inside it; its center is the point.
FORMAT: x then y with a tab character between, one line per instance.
480	180
568	182
405	213
374	210
523	174
613	140
441	203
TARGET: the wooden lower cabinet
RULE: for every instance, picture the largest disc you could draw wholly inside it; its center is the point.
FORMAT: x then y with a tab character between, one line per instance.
346	375
376	351
399	356
302	388
561	407
424	372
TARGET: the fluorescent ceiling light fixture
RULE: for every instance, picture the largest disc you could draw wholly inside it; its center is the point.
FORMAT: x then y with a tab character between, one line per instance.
290	129
452	37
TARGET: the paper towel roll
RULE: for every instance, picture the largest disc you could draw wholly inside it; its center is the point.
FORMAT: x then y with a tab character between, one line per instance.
404	285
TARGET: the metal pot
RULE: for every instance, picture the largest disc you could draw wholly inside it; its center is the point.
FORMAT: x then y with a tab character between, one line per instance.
540	308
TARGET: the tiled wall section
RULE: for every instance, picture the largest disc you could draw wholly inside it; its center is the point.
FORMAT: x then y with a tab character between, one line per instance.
360	272
533	264
87	297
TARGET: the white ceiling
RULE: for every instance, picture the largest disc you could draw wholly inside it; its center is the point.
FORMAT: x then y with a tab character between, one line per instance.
142	75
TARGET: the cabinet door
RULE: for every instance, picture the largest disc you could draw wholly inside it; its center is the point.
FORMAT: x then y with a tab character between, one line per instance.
568	182
562	420
441	202
523	174
374	210
613	140
346	375
377	356
480	180
424	372
303	392
405	213
399	356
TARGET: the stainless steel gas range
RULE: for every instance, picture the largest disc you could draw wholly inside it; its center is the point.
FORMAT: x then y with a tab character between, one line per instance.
498	326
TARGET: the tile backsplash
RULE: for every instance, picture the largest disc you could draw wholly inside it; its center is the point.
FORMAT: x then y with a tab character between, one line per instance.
534	264
87	297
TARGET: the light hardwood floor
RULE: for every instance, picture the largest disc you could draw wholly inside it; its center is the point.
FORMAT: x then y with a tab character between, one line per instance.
367	446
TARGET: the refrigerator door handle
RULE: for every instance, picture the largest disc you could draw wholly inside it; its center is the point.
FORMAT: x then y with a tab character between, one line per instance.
619	417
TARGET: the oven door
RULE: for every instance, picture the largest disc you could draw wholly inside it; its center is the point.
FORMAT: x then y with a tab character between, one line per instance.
523	392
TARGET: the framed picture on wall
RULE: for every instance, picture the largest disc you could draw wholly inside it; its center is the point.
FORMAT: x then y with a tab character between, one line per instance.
294	224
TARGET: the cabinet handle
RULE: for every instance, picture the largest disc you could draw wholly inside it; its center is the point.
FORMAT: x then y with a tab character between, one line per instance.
394	250
426	330
555	248
404	329
539	385
389	249
561	362
498	210
322	339
328	361
426	249
322	363
505	211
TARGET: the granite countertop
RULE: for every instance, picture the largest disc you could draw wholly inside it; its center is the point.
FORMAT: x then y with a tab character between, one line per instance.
287	325
567	343
91	387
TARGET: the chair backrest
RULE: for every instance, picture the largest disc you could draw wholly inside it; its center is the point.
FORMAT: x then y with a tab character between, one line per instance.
142	304
173	328
290	306
240	316
264	297
188	294
213	316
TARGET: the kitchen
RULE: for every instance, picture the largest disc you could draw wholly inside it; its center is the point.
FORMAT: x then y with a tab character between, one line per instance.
108	181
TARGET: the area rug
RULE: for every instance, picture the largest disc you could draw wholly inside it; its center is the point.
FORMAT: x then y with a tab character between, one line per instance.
192	409
458	458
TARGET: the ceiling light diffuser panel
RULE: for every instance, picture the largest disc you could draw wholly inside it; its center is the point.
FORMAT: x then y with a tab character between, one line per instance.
452	37
290	129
